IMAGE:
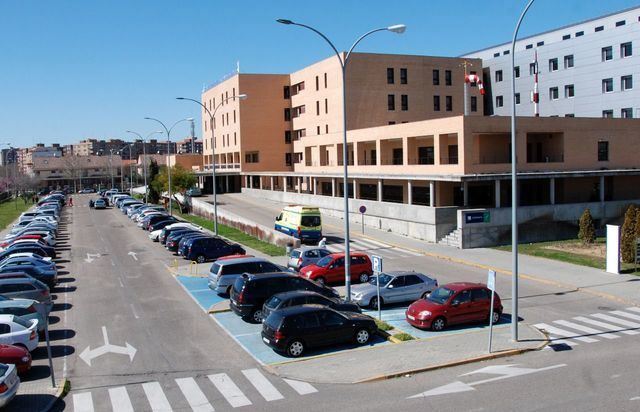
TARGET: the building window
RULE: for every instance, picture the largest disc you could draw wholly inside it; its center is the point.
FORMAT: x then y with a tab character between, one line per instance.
317	107
532	69
529	46
496	54
579	33
404	102
569	91
607	85
599	28
392	122
553	65
318	130
235	138
553	93
448	80
391	102
252	157
299	133
325	80
498	76
626	113
626	50
436	77
568	61
448	101
403	76
517	98
474	104
390	75
540	43
506	52
234	116
566	37
603	151
326	128
326	106
626	82
516	71
608	114
620	23
570	115
287	114
288	159
499	101
287	92
607	53
287	136
436	103
317	83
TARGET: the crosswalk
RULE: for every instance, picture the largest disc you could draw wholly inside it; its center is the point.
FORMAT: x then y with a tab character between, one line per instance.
195	394
592	328
375	247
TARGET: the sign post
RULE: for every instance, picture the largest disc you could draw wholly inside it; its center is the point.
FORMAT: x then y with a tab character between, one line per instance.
613	249
42	310
491	284
377	269
363	209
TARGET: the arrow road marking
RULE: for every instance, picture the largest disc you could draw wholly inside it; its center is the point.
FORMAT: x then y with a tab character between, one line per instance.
504	372
133	255
91	256
87	355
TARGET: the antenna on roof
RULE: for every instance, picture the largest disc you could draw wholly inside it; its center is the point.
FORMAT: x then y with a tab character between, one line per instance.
238	66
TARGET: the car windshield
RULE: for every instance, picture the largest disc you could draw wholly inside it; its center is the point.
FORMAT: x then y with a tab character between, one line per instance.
3	369
295	254
324	262
384	279
273	302
310	221
440	295
274	320
22	322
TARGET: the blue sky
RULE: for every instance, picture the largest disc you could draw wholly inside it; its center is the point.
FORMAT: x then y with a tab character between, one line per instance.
75	69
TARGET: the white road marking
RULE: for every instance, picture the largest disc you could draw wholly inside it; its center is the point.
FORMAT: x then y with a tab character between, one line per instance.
634	309
635	398
229	390
121	284
156	397
585	329
625	314
612	319
555	341
83	402
562	332
606	325
303	388
191	391
133	309
120	401
262	385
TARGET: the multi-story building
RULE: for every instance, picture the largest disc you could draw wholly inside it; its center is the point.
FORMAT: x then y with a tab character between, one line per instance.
189	145
77	171
126	150
584	70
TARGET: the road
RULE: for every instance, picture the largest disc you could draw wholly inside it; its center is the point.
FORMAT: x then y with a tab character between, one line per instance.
184	361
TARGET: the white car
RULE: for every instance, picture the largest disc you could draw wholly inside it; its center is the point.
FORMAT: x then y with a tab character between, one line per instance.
33	255
10	381
155	235
16	331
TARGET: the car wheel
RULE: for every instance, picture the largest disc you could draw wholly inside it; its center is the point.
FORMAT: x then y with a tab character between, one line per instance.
200	259
438	324
362	336
256	316
425	294
363	278
496	317
373	303
295	348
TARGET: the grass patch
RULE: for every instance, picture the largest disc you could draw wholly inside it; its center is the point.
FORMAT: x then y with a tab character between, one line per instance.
10	210
382	325
235	235
403	337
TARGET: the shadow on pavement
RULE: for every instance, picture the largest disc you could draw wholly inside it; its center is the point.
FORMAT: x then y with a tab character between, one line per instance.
61	306
30	402
59	289
60	334
57	351
37	372
66	280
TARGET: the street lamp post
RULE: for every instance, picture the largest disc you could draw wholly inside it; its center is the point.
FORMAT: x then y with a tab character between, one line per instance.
144	158
514	185
213	151
111	166
168	131
398	28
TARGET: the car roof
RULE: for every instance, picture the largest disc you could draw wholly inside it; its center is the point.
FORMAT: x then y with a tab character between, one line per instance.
458	286
341	254
27	279
403	273
270	275
296	310
6	318
296	293
242	260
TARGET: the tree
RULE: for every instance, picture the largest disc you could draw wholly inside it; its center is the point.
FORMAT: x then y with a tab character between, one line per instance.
628	241
181	180
587	232
154	170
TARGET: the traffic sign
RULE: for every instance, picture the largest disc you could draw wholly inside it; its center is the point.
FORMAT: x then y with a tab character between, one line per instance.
377	263
363	209
491	280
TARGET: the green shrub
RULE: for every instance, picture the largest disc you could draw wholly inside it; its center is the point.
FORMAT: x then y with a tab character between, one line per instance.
403	336
627	243
382	325
587	232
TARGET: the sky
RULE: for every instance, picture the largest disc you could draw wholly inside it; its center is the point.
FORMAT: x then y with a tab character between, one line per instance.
72	69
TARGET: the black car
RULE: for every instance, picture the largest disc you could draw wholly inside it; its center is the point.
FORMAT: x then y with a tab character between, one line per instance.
38	249
249	292
153	219
166	232
303	297
202	249
293	330
161	224
171	242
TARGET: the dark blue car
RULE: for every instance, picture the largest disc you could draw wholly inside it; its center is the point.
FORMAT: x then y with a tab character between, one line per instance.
202	249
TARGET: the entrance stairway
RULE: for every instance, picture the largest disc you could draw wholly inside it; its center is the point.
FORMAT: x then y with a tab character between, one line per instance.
452	239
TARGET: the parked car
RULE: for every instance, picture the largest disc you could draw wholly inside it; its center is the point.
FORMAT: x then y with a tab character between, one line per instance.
184	239
16	331
223	273
7	255
150	220
305	256
202	249
100	204
28	288
39	249
16	355
21	307
454	303
249	292
157	226
303	297
9	380
194	192
330	269
294	330
47	276
400	286
176	226
173	241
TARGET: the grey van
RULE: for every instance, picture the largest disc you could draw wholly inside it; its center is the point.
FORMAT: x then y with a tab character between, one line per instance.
224	272
26	288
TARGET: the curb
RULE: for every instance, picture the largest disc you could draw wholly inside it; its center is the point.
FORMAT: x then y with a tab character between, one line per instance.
389	337
213	310
63	390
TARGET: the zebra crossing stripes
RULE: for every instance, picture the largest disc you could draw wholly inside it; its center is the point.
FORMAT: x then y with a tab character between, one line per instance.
120	399
156	397
229	390
606	326
262	385
303	388
585	329
557	331
195	397
373	246
83	402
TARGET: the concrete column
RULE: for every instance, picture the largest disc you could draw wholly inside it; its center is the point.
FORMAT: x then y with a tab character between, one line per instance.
356	192
405	151
409	192
260	182
355	153
432	193
314	183
378	153
271	182
284	183
379	190
333	187
299	179
465	194
552	191
601	188
497	190
226	183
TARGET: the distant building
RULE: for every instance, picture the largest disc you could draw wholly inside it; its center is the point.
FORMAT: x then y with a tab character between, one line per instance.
189	145
80	171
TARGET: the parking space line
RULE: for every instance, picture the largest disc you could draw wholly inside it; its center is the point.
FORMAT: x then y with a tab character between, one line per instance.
303	388
156	397
120	399
229	390
196	398
247	334
236	340
262	385
83	402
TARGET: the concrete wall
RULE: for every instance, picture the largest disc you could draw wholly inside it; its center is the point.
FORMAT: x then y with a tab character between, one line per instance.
538	223
414	221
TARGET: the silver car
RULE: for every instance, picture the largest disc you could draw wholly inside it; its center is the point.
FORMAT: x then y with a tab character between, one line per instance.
395	287
26	288
8	379
304	256
224	272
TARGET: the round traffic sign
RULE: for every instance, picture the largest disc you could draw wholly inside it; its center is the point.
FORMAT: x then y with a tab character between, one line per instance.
363	209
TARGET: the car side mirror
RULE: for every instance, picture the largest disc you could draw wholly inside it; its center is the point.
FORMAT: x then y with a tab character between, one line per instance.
332	266
390	287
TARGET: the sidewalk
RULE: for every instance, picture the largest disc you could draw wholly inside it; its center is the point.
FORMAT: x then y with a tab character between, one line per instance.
389	361
37	395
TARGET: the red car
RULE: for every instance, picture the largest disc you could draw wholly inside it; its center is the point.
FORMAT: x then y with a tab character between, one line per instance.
17	355
330	269
8	243
454	303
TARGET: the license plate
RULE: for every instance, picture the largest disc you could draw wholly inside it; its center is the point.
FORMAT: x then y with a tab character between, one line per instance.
265	340
411	317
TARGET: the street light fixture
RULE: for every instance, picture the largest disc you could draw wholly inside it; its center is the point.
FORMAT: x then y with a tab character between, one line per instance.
213	150
168	132
397	28
144	158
